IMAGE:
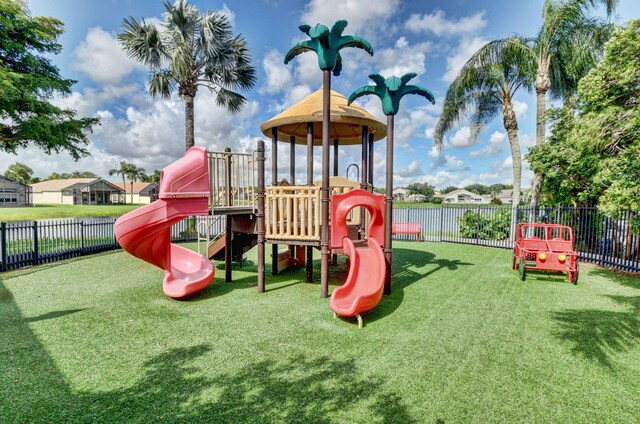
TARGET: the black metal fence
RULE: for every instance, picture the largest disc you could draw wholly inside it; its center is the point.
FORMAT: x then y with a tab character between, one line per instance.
605	239
610	240
26	243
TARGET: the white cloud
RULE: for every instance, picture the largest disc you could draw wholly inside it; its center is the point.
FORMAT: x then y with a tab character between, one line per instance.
495	146
462	138
438	24
101	58
278	75
466	48
520	108
453	162
361	14
229	14
402	59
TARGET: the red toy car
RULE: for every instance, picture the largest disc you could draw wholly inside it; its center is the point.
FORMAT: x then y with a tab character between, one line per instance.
545	247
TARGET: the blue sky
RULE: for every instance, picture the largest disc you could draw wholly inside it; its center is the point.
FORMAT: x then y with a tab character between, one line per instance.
432	38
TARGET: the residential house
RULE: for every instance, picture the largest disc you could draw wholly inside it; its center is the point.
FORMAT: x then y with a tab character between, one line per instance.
77	191
400	194
462	196
14	193
143	193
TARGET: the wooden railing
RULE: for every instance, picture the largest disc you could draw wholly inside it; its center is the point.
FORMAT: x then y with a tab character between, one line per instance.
292	213
233	179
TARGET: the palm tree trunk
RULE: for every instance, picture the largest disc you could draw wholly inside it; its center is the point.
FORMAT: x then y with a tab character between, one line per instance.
325	252
132	192
388	206
511	125
124	186
188	121
542	85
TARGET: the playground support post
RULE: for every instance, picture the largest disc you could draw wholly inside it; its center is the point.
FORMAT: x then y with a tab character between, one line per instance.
274	182
309	261
388	215
364	175
370	168
228	231
260	216
325	252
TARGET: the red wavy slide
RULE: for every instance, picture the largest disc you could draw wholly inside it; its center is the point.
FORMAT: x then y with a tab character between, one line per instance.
364	286
146	231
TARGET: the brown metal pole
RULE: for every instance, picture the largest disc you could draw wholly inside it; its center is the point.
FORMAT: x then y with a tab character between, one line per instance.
274	181
260	216
228	234
335	157
371	160
292	160
325	252
388	212
309	261
364	176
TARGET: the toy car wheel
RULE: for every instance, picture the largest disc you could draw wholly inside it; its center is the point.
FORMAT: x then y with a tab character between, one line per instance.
521	269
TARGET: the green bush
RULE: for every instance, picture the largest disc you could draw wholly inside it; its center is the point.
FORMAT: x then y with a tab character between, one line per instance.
486	225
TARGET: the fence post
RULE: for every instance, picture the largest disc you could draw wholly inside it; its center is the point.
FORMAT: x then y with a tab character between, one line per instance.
3	242
82	237
441	222
36	249
478	226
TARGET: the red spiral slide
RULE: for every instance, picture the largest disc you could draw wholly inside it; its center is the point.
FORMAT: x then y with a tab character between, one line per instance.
145	232
365	282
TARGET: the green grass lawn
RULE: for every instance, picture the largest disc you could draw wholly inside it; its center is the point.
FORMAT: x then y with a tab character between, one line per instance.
460	339
63	211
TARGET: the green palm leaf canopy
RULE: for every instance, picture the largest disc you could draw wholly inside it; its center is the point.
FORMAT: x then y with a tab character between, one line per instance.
391	90
327	44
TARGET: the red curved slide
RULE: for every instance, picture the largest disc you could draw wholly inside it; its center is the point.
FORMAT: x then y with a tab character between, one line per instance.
365	283
145	232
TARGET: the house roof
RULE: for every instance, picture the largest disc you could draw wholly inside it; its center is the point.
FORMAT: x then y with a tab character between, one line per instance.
11	180
346	121
137	187
57	185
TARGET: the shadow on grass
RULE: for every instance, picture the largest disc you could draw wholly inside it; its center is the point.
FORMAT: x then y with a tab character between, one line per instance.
409	267
21	272
179	385
52	315
598	335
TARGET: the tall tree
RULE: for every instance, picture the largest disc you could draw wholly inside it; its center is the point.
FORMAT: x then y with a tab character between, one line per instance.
19	172
191	50
594	155
390	91
28	81
124	171
486	90
326	43
134	174
568	44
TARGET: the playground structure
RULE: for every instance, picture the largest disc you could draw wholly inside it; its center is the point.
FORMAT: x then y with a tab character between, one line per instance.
231	186
545	247
298	215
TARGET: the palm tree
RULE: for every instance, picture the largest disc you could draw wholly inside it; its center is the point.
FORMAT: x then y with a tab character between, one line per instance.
134	174
483	91
566	47
327	45
124	170
390	91
192	50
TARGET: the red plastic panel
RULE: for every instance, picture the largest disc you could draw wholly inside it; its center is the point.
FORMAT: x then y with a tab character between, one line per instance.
341	205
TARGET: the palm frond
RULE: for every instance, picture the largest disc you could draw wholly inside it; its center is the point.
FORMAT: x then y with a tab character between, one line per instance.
353	41
162	84
141	41
363	91
230	100
299	48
